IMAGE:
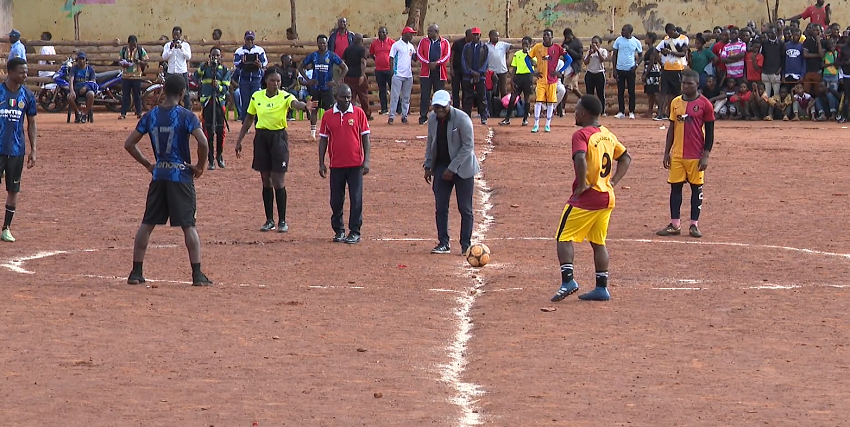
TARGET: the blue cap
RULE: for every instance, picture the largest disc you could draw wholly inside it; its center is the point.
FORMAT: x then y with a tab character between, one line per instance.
81	55
15	33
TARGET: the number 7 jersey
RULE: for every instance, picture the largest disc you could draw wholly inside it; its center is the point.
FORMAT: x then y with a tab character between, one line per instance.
601	149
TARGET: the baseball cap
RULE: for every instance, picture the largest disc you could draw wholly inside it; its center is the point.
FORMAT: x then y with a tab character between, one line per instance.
441	98
81	55
476	30
408	30
249	34
15	33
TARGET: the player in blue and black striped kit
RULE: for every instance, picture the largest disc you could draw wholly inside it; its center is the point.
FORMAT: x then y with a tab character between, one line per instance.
171	194
16	101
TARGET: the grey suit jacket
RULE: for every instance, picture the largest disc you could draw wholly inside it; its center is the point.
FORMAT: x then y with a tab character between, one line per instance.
461	144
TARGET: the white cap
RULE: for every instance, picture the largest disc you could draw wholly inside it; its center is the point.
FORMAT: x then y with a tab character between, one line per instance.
441	98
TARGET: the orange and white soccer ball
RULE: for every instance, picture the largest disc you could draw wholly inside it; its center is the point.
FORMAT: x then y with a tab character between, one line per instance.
478	255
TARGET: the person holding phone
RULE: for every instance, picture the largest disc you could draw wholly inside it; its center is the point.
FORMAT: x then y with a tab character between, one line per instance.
250	61
176	54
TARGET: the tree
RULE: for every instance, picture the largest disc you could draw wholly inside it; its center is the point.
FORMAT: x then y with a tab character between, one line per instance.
294	32
416	16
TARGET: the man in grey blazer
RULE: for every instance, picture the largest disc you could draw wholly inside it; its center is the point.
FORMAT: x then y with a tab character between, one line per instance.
450	162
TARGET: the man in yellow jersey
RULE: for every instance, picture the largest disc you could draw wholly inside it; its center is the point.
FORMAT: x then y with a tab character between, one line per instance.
271	146
546	56
588	211
689	141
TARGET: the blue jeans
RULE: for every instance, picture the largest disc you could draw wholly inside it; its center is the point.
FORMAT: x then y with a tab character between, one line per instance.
831	102
831	81
246	90
131	87
442	195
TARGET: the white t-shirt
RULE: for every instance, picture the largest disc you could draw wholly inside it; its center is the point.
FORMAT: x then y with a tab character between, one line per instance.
46	50
596	61
496	57
401	55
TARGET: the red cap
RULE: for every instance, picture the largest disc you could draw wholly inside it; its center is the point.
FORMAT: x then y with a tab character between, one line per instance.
476	30
408	30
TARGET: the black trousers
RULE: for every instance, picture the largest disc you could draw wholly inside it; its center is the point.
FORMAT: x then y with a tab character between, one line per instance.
464	190
353	177
523	84
131	87
626	79
214	112
385	82
457	86
187	97
475	92
427	86
595	83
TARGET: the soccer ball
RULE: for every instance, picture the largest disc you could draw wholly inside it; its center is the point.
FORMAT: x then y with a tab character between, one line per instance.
478	255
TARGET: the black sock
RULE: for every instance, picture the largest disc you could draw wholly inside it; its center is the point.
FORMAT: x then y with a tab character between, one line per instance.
219	145
566	273
280	196
268	203
10	212
137	267
602	279
196	268
696	201
676	200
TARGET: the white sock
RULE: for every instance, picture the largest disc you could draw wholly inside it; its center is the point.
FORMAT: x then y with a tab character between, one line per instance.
537	108
550	110
313	131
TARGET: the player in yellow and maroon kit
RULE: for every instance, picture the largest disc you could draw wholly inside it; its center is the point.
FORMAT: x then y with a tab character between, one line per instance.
588	211
689	141
546	56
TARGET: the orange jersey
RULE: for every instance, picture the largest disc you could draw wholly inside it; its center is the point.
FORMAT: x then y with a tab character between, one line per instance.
688	120
547	67
601	149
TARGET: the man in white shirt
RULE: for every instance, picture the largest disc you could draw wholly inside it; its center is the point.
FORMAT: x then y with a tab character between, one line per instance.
46	50
627	50
497	60
177	54
674	59
401	56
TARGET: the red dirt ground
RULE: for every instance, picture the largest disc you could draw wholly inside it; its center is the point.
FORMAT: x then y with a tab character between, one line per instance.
276	340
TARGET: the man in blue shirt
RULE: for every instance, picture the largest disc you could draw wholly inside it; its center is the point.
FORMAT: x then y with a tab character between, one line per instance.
322	83
474	58
250	61
16	101
627	50
171	194
84	82
17	50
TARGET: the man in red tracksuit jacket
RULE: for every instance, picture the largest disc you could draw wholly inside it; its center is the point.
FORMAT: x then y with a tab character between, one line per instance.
433	52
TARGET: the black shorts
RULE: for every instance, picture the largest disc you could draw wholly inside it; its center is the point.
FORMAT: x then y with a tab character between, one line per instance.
170	200
271	151
325	98
524	84
12	168
671	82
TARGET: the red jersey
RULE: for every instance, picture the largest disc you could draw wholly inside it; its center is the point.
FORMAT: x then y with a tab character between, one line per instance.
688	119
815	15
341	43
601	149
380	49
717	49
343	130
753	71
547	67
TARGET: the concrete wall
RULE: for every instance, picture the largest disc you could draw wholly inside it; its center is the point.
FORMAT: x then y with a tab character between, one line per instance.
270	18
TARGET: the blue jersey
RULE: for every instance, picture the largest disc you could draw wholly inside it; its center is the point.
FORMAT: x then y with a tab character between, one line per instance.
82	75
322	67
13	107
169	129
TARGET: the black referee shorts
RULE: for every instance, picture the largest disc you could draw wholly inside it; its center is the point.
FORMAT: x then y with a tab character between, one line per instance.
324	97
524	84
12	168
271	151
170	200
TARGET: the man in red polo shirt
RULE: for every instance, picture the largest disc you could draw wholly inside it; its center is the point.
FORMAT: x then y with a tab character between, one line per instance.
344	135
379	50
339	40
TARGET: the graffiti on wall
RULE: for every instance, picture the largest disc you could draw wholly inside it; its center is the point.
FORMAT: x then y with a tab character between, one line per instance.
557	11
648	16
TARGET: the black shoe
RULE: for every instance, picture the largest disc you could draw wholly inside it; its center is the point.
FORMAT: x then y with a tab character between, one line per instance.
464	250
220	162
382	112
200	279
525	122
404	120
506	122
268	226
484	122
135	278
422	120
282	227
441	249
390	121
211	166
339	237
352	239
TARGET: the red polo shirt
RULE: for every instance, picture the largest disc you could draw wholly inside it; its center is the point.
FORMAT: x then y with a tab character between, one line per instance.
341	43
343	130
381	51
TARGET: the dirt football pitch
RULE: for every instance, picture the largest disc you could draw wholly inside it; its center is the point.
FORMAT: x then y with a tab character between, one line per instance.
746	326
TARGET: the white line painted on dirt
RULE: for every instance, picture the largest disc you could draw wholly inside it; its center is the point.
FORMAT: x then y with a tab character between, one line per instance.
452	373
17	264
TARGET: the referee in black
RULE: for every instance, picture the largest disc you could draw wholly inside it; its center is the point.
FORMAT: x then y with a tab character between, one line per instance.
270	106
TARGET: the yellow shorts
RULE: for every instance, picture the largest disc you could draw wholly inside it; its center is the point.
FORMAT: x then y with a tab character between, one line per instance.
682	170
547	93
578	224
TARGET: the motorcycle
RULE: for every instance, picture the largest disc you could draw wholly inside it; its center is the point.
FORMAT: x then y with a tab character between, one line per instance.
155	93
53	98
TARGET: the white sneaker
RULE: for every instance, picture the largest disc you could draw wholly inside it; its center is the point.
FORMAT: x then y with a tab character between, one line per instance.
632	116
619	116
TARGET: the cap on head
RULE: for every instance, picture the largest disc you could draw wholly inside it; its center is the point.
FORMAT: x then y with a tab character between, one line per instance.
15	34
81	55
249	35
408	30
441	98
476	30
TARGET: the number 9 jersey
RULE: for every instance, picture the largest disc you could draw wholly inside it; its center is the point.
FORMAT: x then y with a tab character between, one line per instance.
602	149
